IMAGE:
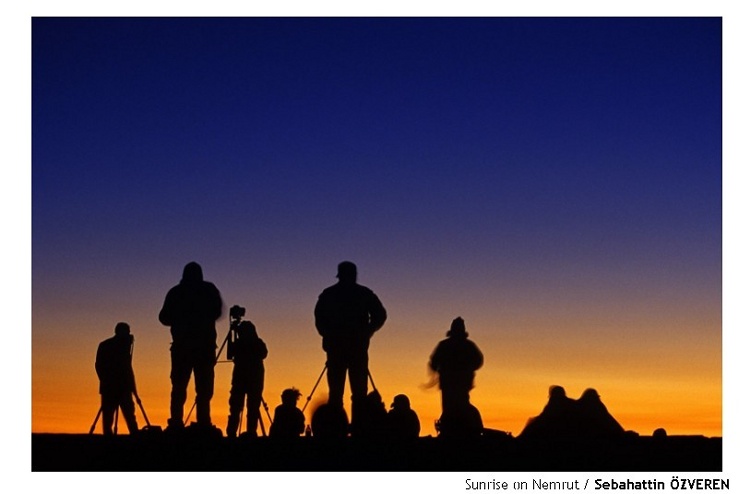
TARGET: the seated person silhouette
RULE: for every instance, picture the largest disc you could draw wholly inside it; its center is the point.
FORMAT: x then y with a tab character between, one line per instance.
595	419
374	415
460	425
329	421
557	419
566	419
288	420
402	422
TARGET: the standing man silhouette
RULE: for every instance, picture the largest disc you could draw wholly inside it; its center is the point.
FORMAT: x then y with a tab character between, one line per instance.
346	316
191	309
114	366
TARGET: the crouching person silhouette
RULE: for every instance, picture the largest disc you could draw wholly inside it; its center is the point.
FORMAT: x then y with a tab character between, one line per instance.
455	360
247	351
288	420
116	378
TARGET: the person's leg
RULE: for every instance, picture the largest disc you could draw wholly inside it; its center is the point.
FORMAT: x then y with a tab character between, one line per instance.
180	377
109	405
336	374
254	398
358	376
128	411
253	412
204	385
236	403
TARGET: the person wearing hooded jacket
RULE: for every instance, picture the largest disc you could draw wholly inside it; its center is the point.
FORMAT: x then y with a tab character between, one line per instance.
191	309
456	360
347	314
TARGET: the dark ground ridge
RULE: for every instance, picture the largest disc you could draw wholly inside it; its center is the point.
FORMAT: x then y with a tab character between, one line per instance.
162	452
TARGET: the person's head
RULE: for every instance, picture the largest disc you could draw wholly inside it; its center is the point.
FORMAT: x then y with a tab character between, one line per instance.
192	272
290	396
374	397
590	396
401	402
347	272
556	393
122	329
246	329
458	329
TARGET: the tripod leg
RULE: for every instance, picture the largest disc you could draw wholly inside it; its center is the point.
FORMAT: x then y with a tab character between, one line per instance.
140	405
316	386
93	426
372	381
262	427
265	407
187	419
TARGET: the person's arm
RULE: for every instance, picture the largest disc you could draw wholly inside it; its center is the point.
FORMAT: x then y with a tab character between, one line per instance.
99	362
377	313
131	373
218	303
321	316
166	314
479	358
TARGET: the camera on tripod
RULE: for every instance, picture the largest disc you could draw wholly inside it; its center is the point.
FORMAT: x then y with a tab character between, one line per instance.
236	313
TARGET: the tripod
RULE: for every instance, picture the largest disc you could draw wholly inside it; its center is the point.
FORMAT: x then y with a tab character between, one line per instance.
119	404
117	416
247	351
235	317
260	419
325	367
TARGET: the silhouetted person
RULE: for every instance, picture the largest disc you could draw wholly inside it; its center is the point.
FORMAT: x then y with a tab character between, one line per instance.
329	422
595	421
374	417
247	351
403	422
346	316
116	378
660	433
456	360
288	420
558	419
191	309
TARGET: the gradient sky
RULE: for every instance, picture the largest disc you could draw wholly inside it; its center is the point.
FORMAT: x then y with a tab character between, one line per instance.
556	182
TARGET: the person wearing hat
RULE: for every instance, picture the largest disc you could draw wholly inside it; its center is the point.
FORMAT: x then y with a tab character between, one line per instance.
346	316
455	360
288	420
116	378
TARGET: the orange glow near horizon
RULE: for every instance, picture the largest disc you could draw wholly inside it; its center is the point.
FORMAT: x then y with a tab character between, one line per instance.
644	389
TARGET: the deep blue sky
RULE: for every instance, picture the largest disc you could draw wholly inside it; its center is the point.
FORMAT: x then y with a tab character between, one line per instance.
555	181
470	131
